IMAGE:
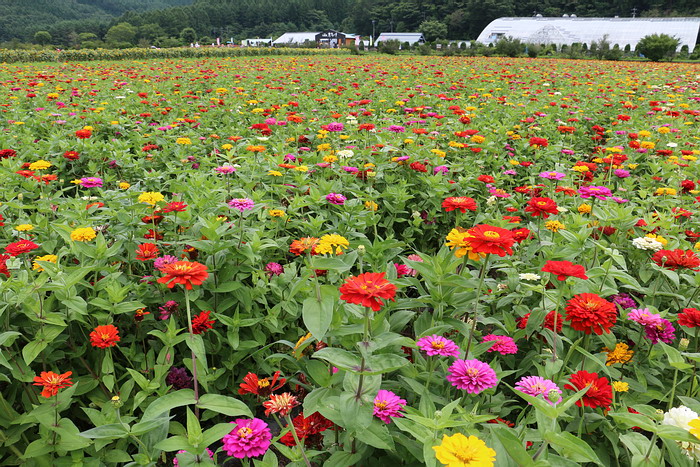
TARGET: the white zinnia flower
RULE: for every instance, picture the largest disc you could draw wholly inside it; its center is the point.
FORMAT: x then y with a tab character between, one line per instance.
646	243
681	417
528	276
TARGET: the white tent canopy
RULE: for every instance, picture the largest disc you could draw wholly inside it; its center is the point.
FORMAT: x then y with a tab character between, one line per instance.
569	30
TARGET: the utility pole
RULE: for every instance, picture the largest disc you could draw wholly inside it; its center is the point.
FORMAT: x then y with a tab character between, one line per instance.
634	12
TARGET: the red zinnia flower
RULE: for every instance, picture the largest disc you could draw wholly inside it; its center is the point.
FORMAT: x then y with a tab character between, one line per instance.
22	246
675	259
6	153
548	321
689	317
3	265
105	336
280	404
521	234
599	392
590	313
308	429
366	289
489	239
147	251
261	387
71	155
418	167
564	269
539	142
486	178
187	273
541	207
459	202
53	382
175	206
201	323
83	134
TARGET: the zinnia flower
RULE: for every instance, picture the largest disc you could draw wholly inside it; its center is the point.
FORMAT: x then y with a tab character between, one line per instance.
684	418
588	312
332	243
461	451
438	345
91	182
388	405
599	392
489	239
83	234
184	272
689	317
201	323
104	336
336	198
620	354
472	375
249	438
541	207
502	344
163	261
366	290
460	239
662	331
280	404
175	206
146	251
261	387
20	247
151	197
274	269
178	378
301	246
308	429
53	382
564	269
598	192
537	386
463	203
677	259
242	204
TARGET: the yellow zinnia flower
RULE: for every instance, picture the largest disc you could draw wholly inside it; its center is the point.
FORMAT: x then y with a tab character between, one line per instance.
183	141
327	242
40	165
83	234
620	386
49	258
459	239
461	451
124	185
24	227
695	427
554	226
620	354
276	213
371	206
151	197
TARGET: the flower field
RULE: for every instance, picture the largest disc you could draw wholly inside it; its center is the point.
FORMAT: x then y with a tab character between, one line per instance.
349	261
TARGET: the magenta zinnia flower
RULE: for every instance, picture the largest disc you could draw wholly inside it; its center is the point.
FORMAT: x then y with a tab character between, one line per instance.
599	192
274	269
249	438
644	317
335	126
535	386
438	345
472	375
336	198
502	344
91	182
662	331
242	204
552	175
388	405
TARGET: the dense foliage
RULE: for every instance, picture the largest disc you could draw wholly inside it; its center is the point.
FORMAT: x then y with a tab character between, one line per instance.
241	19
356	260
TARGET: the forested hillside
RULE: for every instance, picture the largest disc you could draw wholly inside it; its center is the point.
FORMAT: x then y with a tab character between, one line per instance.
20	19
204	20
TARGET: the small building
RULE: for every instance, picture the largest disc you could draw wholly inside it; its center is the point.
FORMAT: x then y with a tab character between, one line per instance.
256	42
570	29
295	38
334	39
411	37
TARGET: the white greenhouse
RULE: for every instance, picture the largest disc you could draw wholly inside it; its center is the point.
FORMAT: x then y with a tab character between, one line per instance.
569	30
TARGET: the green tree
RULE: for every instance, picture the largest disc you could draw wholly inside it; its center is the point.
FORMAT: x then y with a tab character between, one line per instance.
433	30
121	35
658	46
42	37
188	36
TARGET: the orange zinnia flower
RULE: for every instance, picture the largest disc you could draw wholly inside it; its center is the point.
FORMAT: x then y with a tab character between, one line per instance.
105	336
184	272
459	202
301	246
52	382
146	251
366	289
490	239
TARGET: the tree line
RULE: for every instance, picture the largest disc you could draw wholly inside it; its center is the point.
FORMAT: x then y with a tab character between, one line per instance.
206	20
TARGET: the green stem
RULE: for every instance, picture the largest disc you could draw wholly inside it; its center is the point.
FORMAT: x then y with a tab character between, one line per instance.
673	389
695	364
580	423
296	440
554	327
651	446
482	274
194	357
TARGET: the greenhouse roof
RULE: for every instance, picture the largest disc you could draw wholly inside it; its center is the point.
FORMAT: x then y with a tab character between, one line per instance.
295	38
410	37
571	29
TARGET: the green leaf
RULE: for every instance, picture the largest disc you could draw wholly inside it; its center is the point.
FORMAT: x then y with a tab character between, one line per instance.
215	433
675	359
144	427
32	350
317	315
194	430
512	444
339	358
357	415
196	345
571	447
224	405
169	401
377	435
174	443
384	363
109	431
8	337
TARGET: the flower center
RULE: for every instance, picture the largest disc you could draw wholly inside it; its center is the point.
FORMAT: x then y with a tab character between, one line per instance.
263	383
491	234
245	432
437	345
380	404
105	336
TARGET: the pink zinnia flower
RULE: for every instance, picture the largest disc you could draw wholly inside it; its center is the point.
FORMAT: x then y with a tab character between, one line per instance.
438	345
388	405
662	331
472	375
537	386
336	198
402	270
274	269
242	204
644	317
249	438
599	192
552	175
91	182
416	258
163	261
502	344
335	126
225	169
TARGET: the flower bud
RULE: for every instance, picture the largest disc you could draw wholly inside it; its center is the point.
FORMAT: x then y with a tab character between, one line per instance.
361	250
683	344
554	396
117	402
